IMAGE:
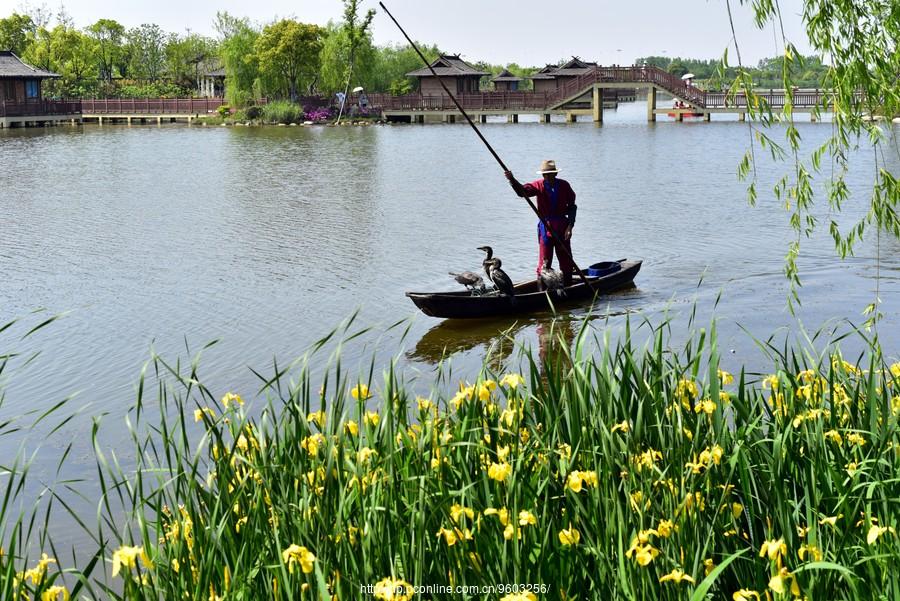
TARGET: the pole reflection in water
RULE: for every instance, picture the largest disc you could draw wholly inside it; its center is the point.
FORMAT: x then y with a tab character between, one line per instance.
497	340
555	339
493	339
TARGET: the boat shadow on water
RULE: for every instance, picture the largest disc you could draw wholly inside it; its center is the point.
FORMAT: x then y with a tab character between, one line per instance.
496	338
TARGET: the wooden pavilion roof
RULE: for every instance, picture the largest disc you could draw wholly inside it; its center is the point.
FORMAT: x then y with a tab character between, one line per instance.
12	67
448	65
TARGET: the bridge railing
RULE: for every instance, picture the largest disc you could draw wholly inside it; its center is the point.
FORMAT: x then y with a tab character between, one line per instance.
39	108
476	101
774	98
631	75
151	106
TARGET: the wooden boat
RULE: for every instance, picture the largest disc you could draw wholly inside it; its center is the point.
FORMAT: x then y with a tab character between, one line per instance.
675	115
463	304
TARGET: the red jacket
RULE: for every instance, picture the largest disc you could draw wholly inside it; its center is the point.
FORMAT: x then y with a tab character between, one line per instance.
564	207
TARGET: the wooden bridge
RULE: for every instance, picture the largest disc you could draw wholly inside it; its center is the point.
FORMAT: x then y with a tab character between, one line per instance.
584	95
34	112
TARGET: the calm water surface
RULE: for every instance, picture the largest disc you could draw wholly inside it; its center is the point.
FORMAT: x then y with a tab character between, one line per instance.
266	238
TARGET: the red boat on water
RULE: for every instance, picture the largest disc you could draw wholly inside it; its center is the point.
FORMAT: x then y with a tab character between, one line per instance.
681	105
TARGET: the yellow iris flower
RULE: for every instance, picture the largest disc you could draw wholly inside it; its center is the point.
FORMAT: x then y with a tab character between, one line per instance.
127	556
569	537
297	555
499	471
390	589
677	576
360	392
230	398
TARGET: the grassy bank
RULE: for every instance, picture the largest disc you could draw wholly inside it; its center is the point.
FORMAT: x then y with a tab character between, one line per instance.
603	471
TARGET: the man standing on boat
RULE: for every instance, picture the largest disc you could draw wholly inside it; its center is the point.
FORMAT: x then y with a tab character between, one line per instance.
556	205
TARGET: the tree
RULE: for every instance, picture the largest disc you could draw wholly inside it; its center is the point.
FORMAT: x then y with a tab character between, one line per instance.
14	33
145	49
74	51
188	57
288	52
355	32
236	50
108	35
677	68
393	62
335	57
860	40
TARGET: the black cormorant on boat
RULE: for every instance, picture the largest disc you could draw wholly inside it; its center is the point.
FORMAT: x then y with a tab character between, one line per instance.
470	280
552	280
500	279
487	260
495	274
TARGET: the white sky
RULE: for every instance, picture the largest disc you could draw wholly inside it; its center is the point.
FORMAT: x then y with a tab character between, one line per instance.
529	32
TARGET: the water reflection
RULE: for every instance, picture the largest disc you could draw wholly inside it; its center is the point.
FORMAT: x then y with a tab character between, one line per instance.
498	340
555	341
489	337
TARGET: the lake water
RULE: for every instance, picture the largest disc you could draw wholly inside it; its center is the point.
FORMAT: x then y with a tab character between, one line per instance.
264	239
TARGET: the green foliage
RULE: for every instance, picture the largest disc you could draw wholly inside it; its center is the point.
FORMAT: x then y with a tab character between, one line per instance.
677	68
282	112
236	49
155	89
335	60
616	469
859	37
288	54
145	48
393	62
224	110
189	57
108	35
16	33
766	74
356	34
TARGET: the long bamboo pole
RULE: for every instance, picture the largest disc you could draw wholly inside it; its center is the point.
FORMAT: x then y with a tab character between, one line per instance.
560	246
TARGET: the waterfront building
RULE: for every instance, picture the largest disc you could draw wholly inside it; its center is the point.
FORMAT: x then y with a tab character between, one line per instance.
459	76
21	94
212	84
20	83
552	77
506	82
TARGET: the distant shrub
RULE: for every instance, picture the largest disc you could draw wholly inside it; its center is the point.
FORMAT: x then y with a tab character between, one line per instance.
253	112
224	110
282	111
151	90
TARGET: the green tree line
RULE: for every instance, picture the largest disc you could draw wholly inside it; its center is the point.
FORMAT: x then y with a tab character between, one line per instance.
807	72
282	59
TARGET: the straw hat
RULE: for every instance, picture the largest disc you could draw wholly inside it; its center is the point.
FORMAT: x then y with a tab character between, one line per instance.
548	166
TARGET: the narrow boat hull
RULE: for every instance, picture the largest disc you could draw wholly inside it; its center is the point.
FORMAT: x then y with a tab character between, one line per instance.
528	299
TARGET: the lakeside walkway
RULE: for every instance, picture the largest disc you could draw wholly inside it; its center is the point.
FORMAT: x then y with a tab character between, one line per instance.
583	95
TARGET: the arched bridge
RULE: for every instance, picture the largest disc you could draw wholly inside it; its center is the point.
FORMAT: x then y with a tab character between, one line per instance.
584	95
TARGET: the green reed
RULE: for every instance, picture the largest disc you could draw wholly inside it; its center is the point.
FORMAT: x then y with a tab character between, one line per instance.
608	469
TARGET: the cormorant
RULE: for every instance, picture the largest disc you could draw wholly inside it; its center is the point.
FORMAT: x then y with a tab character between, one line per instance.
552	280
500	279
470	280
487	260
495	274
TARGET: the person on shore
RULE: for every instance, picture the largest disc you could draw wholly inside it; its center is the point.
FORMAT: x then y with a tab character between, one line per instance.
556	205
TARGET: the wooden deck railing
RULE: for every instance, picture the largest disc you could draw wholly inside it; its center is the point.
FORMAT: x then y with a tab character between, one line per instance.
39	108
629	75
774	98
480	101
151	106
